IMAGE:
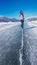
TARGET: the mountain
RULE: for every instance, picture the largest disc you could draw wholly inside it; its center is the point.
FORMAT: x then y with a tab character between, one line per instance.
6	19
32	18
14	20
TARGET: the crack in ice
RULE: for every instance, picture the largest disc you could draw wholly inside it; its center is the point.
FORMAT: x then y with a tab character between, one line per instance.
21	51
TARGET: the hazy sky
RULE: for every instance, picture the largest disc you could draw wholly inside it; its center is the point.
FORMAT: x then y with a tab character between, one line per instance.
11	8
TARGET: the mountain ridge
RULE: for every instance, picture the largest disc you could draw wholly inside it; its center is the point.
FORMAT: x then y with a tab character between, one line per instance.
7	19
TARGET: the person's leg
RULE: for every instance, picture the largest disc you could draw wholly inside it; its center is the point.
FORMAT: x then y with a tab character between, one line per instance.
22	24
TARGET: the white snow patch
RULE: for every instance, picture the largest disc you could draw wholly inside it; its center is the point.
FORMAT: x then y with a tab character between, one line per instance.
12	24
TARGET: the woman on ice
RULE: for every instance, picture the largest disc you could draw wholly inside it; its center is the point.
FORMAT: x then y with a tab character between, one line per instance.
21	18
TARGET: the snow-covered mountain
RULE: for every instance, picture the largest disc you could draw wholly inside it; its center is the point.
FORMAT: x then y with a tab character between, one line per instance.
32	18
6	19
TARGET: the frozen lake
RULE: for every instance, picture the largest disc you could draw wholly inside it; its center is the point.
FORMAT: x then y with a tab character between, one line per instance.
10	43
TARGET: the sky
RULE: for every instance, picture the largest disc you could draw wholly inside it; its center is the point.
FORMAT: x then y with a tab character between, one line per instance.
11	8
